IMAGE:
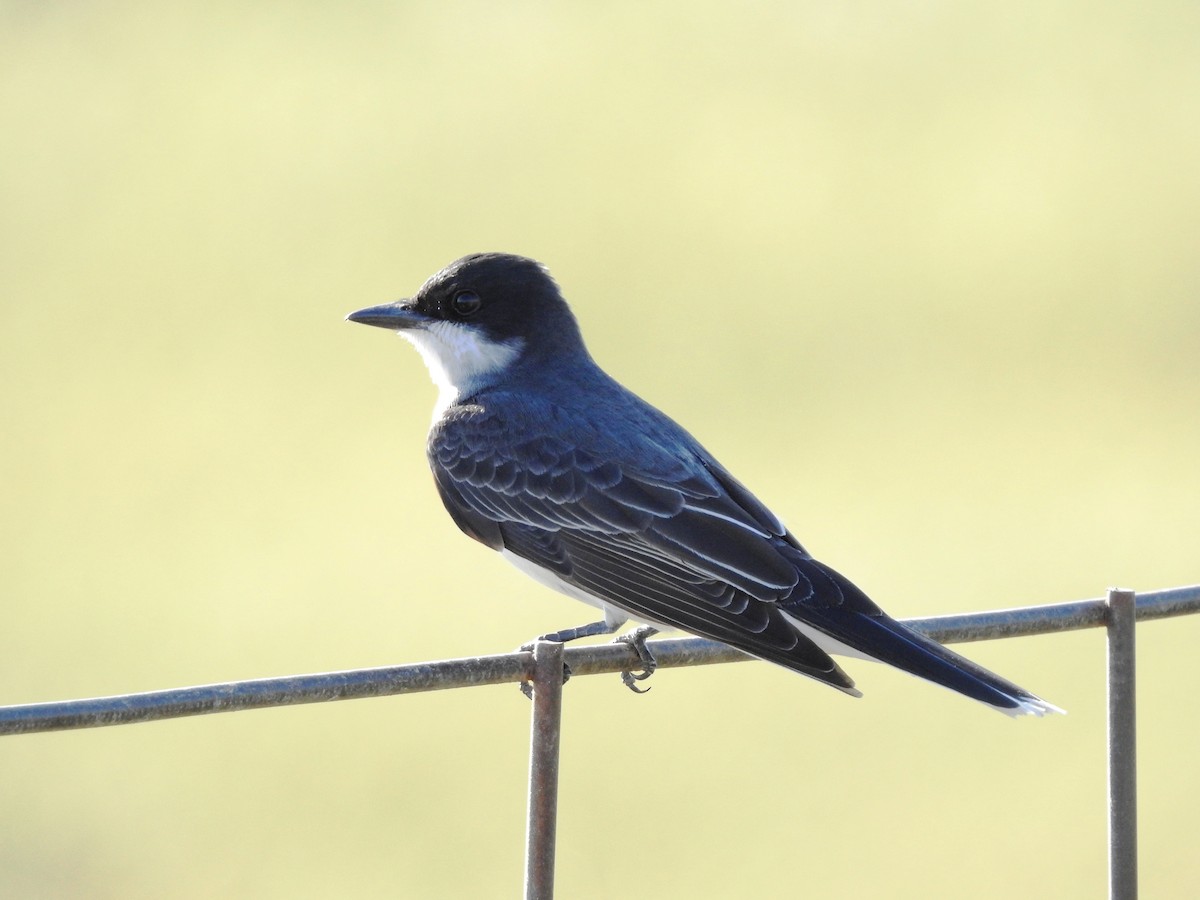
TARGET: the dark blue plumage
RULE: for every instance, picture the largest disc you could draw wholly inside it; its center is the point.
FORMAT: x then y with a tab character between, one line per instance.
539	454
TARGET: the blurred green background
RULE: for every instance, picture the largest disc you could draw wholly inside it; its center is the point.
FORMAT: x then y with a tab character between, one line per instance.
925	275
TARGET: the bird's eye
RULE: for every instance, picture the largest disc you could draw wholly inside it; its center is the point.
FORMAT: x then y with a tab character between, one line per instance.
466	303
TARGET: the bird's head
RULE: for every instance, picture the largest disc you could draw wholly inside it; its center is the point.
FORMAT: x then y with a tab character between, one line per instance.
479	318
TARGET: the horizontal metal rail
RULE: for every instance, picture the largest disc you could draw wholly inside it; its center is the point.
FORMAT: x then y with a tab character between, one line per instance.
519	666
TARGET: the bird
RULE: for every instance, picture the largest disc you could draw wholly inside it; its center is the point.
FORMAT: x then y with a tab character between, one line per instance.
539	454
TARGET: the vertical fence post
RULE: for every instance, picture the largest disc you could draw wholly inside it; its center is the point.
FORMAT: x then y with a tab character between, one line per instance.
1122	746
542	815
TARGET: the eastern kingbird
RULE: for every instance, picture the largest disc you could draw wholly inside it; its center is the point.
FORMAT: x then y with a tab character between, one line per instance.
539	454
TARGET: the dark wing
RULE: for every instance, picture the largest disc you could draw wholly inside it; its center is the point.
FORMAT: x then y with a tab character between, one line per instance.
660	532
657	528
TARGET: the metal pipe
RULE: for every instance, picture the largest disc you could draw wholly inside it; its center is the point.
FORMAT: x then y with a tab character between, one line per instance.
515	667
541	821
260	693
1122	747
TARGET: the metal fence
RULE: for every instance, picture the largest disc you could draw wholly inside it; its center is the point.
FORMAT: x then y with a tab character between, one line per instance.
543	667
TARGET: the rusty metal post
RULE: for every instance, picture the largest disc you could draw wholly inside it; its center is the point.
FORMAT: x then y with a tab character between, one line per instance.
1122	747
542	816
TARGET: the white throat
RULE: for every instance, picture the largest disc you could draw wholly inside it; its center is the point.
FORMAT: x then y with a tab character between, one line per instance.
460	359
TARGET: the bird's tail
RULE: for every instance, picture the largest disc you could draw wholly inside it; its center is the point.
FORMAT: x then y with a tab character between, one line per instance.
855	626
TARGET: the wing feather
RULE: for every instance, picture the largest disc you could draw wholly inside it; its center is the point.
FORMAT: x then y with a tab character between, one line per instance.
671	546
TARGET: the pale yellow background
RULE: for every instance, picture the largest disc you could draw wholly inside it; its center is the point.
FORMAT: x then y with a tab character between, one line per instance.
925	275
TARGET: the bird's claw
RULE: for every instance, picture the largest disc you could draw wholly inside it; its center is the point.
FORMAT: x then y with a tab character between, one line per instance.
637	640
527	686
630	680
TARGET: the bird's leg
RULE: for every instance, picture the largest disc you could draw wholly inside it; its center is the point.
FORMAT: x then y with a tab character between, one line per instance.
570	634
561	637
637	640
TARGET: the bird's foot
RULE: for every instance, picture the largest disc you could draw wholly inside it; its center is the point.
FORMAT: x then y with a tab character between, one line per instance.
637	640
561	637
527	686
